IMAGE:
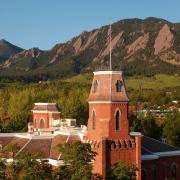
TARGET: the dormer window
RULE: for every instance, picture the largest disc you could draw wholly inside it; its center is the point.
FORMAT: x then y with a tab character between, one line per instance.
118	85
94	86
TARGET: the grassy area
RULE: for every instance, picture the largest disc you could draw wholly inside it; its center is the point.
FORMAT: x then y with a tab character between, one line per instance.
159	81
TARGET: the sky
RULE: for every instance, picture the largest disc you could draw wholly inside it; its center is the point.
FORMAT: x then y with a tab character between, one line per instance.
44	23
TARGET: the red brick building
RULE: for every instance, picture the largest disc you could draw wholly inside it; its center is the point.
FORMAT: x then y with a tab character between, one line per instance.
108	133
45	115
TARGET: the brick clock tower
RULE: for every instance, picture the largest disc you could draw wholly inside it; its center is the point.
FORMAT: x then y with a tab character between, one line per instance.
108	126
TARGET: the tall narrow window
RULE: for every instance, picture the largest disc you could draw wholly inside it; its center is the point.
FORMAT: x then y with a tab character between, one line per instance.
118	85
35	123
143	174
173	172
117	120
41	123
154	172
94	86
94	120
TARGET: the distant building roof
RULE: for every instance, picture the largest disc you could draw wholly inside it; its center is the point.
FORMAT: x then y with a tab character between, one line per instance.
51	107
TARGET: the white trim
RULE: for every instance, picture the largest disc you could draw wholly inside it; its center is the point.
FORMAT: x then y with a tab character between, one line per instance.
135	133
149	157
39	104
168	153
55	162
107	72
45	111
158	155
106	102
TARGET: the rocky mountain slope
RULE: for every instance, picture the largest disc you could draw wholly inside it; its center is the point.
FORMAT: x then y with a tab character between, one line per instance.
7	50
139	47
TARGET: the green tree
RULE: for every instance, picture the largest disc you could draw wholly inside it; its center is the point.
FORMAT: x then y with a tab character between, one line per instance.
150	127
34	169
171	129
123	172
2	169
78	160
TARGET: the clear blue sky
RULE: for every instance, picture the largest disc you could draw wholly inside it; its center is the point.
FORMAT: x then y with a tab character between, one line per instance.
43	23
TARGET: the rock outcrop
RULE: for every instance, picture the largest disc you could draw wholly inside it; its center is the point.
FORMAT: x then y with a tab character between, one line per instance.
164	40
139	43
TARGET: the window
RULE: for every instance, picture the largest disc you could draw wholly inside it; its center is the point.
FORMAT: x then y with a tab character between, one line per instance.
94	86
173	172
34	123
154	172
143	174
41	123
118	120
118	85
94	120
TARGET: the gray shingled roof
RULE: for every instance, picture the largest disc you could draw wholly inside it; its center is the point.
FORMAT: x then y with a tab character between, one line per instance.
150	145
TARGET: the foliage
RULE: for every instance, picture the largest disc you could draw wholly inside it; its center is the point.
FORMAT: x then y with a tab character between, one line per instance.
71	94
77	158
34	169
123	172
171	129
148	126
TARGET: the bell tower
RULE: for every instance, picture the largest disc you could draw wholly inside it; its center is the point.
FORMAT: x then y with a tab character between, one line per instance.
108	126
108	106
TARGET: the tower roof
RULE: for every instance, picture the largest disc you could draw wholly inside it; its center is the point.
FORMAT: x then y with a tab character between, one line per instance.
108	86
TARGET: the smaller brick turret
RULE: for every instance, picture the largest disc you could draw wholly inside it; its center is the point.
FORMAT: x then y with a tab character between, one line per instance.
45	115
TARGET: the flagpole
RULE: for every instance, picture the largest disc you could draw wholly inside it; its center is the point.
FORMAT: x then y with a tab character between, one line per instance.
110	49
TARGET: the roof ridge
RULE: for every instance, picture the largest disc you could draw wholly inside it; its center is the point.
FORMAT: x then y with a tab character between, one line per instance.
162	142
66	142
23	147
146	150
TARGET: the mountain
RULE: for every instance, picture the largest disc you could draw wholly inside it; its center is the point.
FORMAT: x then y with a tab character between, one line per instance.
139	47
7	50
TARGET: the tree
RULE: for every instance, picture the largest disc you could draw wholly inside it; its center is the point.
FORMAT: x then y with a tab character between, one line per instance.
32	168
78	160
171	129
150	127
147	126
123	172
2	169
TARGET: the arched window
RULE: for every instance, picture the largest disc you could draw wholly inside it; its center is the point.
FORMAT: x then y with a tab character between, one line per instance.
118	85
173	171
41	123
35	123
94	86
93	120
118	120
